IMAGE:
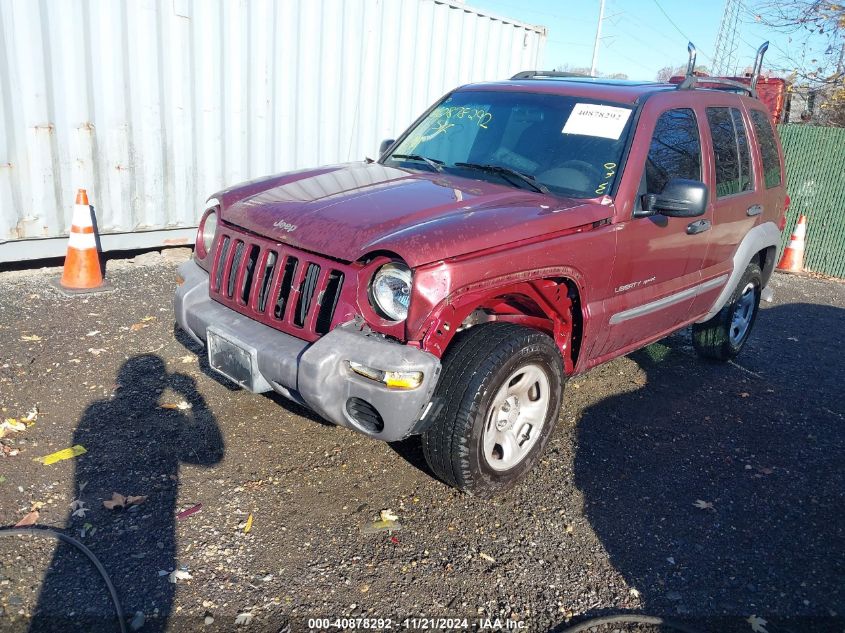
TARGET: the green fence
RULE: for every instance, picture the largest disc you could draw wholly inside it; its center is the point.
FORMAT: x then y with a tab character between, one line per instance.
815	181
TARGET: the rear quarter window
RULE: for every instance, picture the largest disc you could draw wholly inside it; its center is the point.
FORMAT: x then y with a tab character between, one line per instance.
768	147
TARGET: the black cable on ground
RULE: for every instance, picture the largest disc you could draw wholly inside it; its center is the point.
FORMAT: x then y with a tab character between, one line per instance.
72	541
628	619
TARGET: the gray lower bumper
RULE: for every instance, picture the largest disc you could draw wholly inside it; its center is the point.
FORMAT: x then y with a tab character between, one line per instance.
315	374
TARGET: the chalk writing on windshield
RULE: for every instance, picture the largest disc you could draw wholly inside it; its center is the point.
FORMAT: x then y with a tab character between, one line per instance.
610	171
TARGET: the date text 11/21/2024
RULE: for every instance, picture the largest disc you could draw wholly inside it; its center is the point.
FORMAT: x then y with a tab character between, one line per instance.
416	624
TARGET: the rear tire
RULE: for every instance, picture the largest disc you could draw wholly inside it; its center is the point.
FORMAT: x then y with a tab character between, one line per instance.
723	336
495	407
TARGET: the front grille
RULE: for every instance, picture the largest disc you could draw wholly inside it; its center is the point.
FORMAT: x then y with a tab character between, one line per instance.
286	288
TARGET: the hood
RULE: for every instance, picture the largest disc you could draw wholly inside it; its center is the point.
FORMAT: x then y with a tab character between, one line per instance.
348	211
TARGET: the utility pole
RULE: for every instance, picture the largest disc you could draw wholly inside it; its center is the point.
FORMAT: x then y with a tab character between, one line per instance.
598	38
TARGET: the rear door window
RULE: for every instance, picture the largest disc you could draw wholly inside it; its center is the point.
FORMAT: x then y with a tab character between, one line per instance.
731	152
675	150
768	147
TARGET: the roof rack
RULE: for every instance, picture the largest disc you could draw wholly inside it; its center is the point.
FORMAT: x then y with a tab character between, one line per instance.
534	74
691	79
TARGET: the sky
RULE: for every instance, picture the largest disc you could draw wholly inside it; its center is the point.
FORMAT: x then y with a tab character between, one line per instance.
639	37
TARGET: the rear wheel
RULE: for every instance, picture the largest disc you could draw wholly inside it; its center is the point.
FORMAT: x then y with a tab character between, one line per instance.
723	336
495	407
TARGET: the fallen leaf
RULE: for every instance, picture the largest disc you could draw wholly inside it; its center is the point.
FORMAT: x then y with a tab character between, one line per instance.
388	515
179	574
96	351
703	505
11	425
744	394
243	619
138	326
36	505
117	501
32	416
93	333
2	479
248	525
65	453
30	519
148	318
79	509
487	557
382	526
14	425
31	337
190	358
634	592
181	405
365	588
758	625
120	501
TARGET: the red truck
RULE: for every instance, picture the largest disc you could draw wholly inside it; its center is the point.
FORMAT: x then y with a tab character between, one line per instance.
518	233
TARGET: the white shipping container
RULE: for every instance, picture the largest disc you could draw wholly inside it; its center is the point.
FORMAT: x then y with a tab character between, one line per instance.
152	105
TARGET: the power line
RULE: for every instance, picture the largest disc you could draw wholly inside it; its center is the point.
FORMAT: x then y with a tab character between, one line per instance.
678	28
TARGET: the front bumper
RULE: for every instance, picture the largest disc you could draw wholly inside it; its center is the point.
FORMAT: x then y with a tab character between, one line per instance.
315	374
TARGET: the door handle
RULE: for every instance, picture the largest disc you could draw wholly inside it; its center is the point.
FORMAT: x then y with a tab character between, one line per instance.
699	226
754	210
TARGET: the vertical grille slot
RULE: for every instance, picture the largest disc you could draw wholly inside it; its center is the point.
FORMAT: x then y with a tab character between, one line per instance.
295	292
284	290
234	268
266	280
306	294
249	274
328	302
221	263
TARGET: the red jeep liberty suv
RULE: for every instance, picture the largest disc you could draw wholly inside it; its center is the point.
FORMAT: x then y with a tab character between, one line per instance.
519	233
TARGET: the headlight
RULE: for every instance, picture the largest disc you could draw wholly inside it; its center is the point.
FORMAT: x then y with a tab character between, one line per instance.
390	291
205	234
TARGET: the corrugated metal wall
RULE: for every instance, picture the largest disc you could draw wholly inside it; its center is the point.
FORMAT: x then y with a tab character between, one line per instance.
815	182
154	104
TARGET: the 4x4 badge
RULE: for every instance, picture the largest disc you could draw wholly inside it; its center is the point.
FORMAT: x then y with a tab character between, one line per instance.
281	224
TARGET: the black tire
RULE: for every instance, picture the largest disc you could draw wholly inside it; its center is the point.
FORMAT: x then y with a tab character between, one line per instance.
712	339
475	367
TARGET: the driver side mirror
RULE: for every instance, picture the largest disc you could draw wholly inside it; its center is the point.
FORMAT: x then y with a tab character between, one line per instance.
680	198
385	145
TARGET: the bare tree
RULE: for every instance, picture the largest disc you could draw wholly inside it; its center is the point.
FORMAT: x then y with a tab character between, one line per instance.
815	58
665	73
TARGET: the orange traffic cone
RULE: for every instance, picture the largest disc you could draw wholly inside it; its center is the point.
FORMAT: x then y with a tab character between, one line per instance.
82	272
793	255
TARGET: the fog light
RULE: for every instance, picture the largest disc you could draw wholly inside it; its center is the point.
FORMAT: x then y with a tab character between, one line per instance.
393	379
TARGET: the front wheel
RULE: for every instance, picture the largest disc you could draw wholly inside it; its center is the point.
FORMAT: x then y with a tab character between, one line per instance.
724	335
495	407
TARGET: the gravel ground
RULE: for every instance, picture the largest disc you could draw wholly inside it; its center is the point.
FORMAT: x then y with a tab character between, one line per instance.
608	523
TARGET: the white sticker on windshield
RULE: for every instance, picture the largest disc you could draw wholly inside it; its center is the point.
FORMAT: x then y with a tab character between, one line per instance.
590	119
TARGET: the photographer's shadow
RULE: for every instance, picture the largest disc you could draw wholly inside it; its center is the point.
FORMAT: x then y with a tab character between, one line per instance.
718	493
135	446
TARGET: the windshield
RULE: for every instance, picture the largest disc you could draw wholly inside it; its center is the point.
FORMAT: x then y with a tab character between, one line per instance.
567	145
